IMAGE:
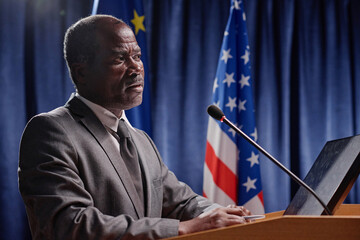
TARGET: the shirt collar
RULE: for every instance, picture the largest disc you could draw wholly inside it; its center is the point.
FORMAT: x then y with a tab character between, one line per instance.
106	117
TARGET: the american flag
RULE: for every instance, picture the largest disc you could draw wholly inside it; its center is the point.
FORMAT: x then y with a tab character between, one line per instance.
232	170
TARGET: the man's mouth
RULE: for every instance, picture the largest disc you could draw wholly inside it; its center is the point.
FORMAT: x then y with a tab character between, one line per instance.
138	87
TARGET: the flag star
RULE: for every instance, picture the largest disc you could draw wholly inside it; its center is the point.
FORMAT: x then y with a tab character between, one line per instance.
237	4
226	33
242	105
246	57
217	104
231	104
250	184
254	159
226	55
138	22
232	132
244	80
254	134
244	17
229	79
216	85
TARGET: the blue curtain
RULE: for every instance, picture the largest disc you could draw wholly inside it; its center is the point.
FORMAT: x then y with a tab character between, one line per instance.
185	40
12	112
305	66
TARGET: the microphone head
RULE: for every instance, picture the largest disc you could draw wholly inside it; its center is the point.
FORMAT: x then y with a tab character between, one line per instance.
215	112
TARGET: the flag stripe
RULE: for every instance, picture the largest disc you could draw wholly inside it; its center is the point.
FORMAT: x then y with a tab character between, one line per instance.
224	147
221	174
256	204
214	192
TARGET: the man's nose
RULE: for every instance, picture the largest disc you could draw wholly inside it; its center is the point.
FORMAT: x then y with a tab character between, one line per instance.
135	67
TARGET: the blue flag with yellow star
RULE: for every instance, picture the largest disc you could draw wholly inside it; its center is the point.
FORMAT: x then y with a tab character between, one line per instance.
132	12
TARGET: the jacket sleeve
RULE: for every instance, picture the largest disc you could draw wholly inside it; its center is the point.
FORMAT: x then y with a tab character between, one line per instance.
179	201
57	202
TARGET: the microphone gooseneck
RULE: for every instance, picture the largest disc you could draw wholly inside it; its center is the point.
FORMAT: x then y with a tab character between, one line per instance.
217	114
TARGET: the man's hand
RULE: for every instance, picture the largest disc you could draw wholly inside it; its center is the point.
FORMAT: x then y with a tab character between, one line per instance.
216	218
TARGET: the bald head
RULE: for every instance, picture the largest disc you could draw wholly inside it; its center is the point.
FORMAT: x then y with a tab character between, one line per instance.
81	40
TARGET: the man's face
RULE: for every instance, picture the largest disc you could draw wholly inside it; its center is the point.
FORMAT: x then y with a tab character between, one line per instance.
115	78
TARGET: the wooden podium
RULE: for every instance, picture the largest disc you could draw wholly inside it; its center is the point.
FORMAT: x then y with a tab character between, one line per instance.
344	224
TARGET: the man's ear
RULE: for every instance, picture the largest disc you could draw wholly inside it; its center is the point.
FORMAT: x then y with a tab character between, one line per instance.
78	72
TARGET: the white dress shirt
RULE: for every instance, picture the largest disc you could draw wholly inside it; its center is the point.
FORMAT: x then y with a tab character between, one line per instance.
107	118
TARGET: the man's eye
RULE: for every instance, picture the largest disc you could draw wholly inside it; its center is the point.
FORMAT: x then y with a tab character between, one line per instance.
137	57
119	60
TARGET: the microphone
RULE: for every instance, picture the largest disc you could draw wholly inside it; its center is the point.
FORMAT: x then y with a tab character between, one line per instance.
217	114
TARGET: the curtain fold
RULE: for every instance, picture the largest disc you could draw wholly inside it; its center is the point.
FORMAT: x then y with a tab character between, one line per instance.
12	112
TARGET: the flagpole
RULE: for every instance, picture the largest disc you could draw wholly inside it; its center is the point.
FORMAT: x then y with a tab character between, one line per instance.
95	7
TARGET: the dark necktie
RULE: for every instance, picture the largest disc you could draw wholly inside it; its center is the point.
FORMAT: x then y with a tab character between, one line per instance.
129	154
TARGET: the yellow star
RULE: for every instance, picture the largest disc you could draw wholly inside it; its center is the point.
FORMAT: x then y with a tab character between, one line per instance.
138	22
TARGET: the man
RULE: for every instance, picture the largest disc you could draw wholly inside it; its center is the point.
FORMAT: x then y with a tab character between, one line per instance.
74	174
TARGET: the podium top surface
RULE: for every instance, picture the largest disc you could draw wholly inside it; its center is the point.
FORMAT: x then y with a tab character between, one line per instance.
344	224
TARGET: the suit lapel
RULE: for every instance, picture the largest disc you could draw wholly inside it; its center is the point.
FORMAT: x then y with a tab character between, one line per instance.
93	124
144	152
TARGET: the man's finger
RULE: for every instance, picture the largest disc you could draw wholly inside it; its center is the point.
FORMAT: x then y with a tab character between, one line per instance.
234	219
239	210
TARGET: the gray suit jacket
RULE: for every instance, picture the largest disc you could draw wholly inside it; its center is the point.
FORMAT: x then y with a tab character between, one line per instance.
75	184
